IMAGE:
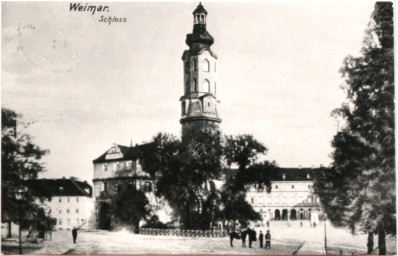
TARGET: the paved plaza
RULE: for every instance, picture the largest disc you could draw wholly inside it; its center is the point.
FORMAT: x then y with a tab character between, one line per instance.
286	240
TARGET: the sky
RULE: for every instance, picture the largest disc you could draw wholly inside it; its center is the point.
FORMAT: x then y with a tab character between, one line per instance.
86	84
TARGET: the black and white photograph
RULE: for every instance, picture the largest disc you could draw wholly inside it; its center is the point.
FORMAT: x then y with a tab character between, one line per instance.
198	128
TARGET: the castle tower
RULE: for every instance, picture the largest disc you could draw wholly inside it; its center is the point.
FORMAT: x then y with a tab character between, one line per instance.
199	104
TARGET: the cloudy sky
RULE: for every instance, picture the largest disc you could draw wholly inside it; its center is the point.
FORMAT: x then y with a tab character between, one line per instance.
88	84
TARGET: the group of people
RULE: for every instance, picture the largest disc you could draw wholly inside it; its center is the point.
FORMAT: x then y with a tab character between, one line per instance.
267	239
251	234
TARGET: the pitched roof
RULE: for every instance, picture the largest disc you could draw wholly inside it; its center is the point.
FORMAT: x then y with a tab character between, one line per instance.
200	9
59	187
128	153
287	174
295	174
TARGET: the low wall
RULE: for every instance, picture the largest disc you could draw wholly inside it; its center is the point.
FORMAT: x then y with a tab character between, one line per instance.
184	233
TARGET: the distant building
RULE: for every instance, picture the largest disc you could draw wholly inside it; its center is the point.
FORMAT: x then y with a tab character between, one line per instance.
117	169
292	196
67	200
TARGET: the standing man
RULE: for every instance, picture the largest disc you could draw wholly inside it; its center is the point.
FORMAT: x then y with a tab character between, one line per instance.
261	239
74	234
252	236
268	240
74	231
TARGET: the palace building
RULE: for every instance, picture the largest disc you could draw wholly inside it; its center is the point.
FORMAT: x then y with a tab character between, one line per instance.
118	167
292	196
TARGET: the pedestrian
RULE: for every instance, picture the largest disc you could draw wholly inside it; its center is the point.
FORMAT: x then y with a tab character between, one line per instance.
267	224
314	224
268	240
252	236
261	239
301	224
74	234
243	237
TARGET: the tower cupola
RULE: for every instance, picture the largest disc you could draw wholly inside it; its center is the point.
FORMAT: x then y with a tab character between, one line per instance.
199	15
199	38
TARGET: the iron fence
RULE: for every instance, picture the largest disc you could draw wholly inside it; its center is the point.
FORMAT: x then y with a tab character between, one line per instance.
183	233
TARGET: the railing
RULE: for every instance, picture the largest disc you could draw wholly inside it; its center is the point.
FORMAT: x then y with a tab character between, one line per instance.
183	233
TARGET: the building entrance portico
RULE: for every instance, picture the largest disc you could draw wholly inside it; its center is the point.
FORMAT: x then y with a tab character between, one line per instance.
104	216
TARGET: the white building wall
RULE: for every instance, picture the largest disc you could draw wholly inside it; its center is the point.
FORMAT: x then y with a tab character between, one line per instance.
289	195
71	211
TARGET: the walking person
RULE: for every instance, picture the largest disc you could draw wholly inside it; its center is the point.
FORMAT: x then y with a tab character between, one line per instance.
268	240
261	239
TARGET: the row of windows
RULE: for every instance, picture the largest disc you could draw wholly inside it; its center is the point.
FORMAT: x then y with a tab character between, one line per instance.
67	211
205	65
131	164
147	187
206	86
284	200
68	221
67	199
292	187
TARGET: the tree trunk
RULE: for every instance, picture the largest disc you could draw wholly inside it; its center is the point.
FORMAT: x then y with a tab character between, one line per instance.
370	242
137	227
382	242
187	224
9	229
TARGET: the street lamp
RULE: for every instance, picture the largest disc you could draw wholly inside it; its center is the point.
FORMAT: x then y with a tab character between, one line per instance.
19	194
326	246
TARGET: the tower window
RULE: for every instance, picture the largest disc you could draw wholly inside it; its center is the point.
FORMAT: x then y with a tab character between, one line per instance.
206	86
206	66
195	85
187	87
195	64
105	167
183	108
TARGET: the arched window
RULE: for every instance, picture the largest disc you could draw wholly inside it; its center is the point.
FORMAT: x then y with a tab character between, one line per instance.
206	85
206	66
183	107
187	87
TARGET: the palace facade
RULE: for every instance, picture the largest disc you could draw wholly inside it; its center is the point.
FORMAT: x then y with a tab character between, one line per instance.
292	196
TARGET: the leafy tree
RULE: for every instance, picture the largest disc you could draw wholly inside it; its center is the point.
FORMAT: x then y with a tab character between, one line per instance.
130	206
187	170
242	150
159	154
359	189
21	160
236	208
